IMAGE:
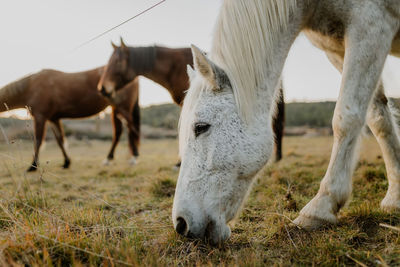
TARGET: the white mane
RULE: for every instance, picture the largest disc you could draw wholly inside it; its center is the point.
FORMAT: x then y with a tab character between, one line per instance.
243	34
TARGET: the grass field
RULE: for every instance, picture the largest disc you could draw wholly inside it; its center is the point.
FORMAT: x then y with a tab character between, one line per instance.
120	215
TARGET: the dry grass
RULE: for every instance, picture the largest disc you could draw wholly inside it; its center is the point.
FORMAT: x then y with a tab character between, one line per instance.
120	215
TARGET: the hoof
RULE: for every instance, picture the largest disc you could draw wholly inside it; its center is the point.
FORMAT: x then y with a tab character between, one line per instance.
32	168
390	205
311	223
67	163
133	161
175	168
106	162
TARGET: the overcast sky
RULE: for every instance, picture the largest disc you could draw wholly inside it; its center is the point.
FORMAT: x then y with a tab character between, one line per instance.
43	34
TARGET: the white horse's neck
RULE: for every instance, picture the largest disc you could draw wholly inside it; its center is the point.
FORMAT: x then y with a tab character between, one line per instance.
266	94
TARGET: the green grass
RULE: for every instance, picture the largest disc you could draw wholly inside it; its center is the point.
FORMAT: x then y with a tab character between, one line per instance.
120	215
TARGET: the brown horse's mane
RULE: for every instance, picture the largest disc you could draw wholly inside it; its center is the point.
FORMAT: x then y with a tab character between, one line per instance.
142	59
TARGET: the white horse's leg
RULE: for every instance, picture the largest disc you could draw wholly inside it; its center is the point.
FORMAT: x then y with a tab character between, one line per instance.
361	74
381	124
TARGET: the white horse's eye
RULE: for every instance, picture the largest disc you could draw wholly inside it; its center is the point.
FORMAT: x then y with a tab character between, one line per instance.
200	128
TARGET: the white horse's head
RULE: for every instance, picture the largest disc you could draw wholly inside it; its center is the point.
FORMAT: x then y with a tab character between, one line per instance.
221	153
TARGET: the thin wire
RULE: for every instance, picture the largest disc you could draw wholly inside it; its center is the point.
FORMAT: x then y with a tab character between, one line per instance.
119	25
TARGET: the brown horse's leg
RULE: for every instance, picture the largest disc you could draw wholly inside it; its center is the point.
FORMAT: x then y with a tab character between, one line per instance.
117	126
59	135
279	124
134	131
40	125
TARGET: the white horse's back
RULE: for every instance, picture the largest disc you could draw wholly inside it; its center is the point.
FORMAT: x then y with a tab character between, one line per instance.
326	29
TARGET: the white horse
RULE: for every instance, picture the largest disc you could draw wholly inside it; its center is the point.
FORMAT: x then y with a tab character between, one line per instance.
225	138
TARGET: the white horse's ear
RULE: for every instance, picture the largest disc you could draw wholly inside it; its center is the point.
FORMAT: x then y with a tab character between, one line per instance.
210	71
191	73
204	66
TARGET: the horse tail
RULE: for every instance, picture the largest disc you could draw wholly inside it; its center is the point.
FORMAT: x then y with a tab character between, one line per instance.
12	95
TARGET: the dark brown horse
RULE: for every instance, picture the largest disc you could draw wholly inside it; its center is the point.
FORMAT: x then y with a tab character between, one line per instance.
167	67
52	95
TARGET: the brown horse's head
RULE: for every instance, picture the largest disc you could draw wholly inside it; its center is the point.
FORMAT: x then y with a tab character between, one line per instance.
117	73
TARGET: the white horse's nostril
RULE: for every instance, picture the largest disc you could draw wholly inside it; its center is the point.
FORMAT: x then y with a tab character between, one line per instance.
181	226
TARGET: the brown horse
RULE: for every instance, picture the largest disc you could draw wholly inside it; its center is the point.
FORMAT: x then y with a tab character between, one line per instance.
52	95
167	67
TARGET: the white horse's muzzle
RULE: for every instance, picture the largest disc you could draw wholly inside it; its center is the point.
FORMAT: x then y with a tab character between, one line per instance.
200	226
